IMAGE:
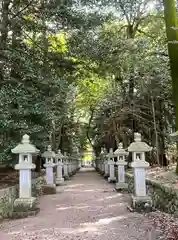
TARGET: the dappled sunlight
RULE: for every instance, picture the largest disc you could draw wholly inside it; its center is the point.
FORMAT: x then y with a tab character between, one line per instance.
105	221
73	207
76	185
83	190
116	205
110	197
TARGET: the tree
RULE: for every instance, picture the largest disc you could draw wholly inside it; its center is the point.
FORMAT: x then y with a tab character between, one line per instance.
170	15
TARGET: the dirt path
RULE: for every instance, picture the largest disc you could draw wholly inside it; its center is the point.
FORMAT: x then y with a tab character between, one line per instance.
86	208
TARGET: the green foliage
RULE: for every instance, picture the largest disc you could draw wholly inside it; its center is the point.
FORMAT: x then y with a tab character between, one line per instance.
73	72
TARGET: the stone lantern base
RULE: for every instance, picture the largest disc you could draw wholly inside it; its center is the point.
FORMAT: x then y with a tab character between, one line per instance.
24	207
140	204
111	179
66	177
60	181
49	189
106	175
121	186
74	172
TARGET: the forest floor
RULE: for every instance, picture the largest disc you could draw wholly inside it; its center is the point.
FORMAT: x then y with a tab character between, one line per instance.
86	208
8	177
165	175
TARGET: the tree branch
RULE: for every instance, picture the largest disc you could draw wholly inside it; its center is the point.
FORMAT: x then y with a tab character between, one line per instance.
23	9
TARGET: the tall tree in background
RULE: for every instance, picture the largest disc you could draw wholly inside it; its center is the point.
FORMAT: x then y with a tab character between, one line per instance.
171	21
170	15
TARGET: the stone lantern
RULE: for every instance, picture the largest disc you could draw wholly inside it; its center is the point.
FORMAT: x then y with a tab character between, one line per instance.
78	160
66	175
138	150
69	166
49	155
106	167
111	163
73	162
76	157
102	155
121	155
59	163
25	150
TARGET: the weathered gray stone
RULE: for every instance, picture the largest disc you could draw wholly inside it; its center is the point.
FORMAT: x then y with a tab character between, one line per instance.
164	197
121	186
8	196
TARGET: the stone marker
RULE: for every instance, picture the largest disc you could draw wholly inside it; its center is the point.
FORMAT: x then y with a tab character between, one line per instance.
138	148
66	175
50	187
59	163
106	167
26	204
70	167
110	156
102	155
121	155
76	158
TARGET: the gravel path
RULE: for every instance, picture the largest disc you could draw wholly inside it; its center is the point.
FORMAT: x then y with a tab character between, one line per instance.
86	208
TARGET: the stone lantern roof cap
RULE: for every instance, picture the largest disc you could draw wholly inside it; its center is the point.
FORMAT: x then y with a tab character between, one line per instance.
25	146
49	153
138	145
65	156
59	154
110	154
120	150
102	152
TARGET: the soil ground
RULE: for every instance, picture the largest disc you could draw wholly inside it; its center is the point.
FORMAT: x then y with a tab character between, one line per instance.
87	207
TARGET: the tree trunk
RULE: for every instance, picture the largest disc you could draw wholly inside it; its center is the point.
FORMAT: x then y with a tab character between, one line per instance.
170	15
3	35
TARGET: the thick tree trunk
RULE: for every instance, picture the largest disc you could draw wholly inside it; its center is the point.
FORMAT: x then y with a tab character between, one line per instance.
171	22
3	35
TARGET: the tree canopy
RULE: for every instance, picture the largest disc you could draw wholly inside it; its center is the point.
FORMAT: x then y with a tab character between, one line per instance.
97	71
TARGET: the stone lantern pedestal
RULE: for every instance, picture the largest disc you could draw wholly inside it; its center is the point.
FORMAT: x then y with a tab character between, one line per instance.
106	169
66	175
50	186
102	167
111	163
121	184
73	165
111	177
65	167
102	155
140	199
25	205
59	178
70	168
121	155
59	163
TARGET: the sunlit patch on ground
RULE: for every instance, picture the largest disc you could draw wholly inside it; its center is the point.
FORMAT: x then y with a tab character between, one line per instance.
91	210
